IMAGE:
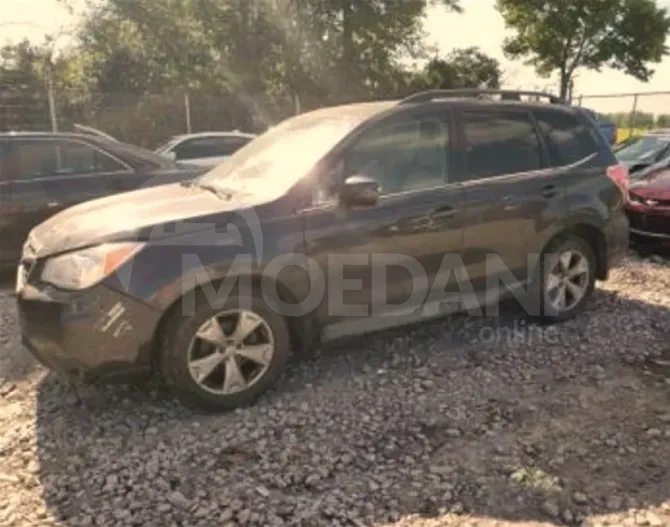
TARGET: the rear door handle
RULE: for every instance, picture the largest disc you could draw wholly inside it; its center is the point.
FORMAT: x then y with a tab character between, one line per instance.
443	212
53	204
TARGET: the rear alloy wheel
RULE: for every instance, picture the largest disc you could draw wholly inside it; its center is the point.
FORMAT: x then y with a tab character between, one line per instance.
223	358
566	279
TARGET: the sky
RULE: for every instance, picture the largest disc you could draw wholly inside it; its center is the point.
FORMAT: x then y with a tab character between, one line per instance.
480	25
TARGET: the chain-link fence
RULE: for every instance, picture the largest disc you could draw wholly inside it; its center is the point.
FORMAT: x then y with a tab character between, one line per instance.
633	113
150	119
146	120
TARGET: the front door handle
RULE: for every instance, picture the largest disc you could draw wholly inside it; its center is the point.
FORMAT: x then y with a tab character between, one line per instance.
443	212
511	201
53	204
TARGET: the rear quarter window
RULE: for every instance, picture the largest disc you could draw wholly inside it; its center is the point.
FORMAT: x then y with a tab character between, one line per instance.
568	139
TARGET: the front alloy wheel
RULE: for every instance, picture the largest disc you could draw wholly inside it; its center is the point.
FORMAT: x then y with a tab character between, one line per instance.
230	352
225	356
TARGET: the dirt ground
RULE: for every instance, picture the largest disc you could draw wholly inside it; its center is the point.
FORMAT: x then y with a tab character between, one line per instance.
466	421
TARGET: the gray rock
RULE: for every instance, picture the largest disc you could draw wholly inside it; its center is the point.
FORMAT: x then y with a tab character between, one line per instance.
567	516
580	498
654	433
551	508
179	500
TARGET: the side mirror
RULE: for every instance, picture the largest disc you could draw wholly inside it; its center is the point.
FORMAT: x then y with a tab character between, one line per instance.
171	155
359	191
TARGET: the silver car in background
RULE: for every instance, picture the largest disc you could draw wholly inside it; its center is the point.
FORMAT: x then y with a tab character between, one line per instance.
205	148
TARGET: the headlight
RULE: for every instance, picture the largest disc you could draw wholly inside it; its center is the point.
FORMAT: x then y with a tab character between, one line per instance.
82	269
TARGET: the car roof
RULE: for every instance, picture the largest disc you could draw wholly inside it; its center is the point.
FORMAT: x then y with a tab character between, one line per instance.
359	110
234	133
20	133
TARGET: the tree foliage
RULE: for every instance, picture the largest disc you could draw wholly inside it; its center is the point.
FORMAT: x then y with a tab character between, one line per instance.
246	63
552	36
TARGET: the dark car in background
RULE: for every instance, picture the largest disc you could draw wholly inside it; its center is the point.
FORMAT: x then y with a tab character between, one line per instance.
445	173
44	173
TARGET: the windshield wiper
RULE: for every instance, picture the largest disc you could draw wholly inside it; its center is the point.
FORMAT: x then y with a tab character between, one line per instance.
216	190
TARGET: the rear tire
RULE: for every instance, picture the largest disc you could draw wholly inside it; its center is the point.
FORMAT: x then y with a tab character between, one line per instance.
564	280
224	356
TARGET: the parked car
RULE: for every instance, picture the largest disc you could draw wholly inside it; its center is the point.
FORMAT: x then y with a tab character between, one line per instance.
44	173
648	208
437	175
204	149
644	154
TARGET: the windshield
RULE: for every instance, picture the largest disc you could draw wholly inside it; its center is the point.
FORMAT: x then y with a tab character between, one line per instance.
167	144
641	148
275	161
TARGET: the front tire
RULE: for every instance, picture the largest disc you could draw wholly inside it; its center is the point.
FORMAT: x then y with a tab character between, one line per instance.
564	280
224	356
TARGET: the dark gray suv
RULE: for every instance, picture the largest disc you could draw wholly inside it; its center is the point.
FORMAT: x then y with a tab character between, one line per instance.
336	222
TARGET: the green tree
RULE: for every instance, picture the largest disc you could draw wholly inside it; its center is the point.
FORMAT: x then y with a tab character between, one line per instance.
23	95
462	68
663	120
563	36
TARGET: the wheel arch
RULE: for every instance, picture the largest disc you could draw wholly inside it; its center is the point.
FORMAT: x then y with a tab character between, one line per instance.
592	234
302	329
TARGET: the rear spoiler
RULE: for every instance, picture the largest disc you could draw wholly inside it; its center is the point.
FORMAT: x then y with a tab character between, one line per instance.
94	131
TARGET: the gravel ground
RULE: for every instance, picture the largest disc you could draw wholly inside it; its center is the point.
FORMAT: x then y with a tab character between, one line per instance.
450	423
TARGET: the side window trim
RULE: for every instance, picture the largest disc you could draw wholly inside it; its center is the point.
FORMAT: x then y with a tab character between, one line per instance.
545	157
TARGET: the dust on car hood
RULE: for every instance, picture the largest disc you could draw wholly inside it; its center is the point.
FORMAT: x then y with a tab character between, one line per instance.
130	216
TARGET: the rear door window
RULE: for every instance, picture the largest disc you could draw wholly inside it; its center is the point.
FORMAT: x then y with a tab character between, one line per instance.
499	143
45	158
568	139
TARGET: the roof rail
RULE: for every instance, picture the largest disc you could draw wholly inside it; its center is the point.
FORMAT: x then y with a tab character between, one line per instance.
513	95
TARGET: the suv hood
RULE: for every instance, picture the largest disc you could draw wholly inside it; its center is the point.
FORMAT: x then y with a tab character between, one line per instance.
128	215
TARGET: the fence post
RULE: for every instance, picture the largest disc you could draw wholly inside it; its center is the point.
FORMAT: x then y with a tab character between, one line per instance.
187	108
296	103
52	100
631	121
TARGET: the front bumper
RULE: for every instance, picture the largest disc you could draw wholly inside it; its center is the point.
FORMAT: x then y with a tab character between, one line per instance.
101	334
650	224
